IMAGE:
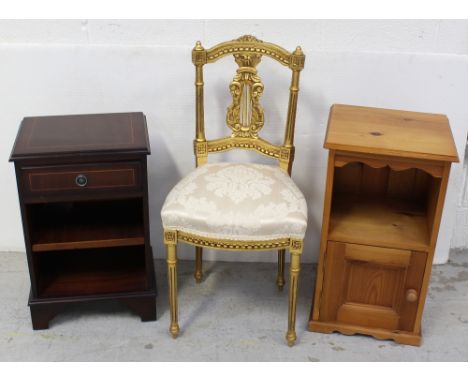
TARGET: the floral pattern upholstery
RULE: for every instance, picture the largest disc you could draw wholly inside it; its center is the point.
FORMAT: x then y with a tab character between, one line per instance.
235	201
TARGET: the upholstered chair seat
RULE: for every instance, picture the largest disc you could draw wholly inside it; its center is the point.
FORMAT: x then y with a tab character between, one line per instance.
234	201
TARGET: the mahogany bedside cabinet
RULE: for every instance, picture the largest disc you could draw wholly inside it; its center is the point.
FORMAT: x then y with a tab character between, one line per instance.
386	182
83	194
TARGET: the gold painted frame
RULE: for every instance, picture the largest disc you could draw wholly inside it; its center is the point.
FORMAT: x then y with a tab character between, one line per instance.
247	51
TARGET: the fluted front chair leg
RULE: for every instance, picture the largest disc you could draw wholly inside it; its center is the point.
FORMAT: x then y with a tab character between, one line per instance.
198	264
280	275
172	278
295	266
170	238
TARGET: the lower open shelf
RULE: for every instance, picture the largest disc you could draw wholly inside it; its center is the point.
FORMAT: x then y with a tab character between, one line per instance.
91	271
89	224
380	221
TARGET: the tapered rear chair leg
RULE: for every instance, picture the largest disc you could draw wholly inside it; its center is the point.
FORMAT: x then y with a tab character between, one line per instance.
198	264
280	275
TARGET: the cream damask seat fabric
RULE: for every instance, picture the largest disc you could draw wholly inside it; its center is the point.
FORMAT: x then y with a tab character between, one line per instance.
235	201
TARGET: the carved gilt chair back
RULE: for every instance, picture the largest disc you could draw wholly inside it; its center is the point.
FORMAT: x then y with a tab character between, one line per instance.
245	116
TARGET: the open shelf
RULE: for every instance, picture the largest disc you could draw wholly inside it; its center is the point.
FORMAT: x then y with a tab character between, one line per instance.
79	225
386	222
383	207
91	272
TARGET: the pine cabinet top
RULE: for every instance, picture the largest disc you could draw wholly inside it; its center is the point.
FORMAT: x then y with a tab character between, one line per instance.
390	132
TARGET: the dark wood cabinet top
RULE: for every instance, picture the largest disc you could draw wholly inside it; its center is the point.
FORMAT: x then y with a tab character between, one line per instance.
80	134
390	132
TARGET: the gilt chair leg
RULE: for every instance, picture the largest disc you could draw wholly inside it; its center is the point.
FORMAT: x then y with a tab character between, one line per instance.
172	280
198	264
280	275
295	267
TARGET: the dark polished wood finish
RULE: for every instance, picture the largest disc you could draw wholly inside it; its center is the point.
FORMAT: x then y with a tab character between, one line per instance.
78	134
82	185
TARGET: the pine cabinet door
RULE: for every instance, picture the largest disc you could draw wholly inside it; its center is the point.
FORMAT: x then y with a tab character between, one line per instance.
372	286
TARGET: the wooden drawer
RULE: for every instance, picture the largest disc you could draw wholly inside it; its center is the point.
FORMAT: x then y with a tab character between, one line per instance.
81	178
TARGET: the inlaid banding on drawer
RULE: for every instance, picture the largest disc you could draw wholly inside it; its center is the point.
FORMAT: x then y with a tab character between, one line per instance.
82	177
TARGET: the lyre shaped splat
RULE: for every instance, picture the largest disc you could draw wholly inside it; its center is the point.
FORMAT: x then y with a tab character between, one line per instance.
245	114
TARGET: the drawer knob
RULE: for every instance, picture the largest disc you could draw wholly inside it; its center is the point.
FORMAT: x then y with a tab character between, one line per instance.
411	295
81	180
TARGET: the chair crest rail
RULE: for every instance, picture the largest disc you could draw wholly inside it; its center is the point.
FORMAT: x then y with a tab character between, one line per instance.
247	44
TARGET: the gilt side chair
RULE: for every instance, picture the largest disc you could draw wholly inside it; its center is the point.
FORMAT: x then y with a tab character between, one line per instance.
234	206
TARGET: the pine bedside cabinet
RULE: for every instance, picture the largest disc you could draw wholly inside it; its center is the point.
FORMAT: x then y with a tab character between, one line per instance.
386	182
82	185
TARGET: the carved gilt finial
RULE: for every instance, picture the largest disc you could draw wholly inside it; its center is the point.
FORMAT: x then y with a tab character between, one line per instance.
199	54
298	51
296	60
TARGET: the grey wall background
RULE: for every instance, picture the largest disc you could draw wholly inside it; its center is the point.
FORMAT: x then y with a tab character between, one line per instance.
86	66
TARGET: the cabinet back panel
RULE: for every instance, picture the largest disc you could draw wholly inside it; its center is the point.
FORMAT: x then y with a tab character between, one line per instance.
348	179
374	181
358	178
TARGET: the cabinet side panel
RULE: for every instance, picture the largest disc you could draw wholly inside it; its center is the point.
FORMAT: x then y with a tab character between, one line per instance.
432	198
324	236
26	232
434	224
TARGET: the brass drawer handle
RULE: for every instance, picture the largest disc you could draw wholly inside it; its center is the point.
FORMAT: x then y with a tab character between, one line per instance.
81	180
411	295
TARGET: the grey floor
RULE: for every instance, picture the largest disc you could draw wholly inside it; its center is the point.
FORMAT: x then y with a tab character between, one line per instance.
236	314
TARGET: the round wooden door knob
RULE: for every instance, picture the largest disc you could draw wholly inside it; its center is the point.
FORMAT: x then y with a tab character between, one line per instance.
411	295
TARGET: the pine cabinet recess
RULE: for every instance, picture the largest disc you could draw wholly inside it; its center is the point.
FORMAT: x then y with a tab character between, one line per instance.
386	182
